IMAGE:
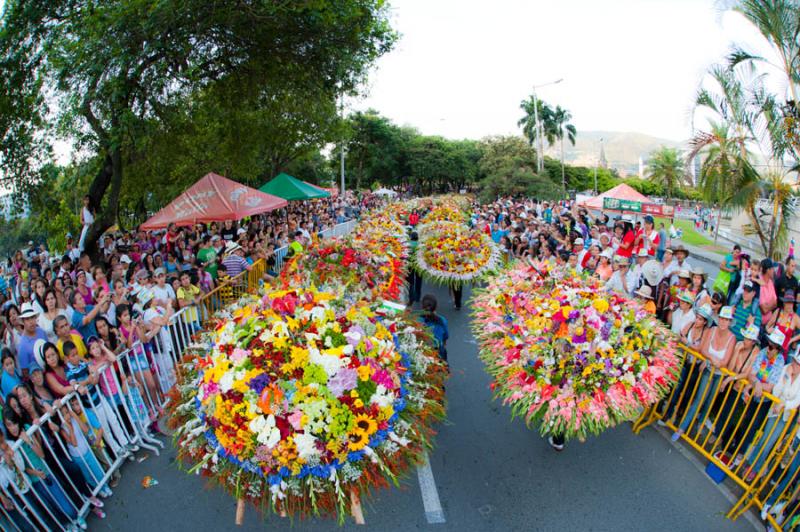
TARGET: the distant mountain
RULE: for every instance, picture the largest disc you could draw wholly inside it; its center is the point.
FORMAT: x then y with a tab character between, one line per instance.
622	149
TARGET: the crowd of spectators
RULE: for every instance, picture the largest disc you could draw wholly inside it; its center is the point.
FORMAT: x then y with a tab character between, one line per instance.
67	320
744	324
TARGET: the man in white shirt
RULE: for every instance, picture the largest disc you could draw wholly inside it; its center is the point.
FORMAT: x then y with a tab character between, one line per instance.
679	255
641	258
684	314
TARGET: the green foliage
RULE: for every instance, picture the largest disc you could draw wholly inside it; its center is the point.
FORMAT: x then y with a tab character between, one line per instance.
666	168
509	168
125	75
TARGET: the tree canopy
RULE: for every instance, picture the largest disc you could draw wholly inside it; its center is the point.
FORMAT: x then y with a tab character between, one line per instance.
112	74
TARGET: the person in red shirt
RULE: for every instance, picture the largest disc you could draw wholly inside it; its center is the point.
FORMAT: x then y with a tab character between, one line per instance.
625	248
650	238
413	218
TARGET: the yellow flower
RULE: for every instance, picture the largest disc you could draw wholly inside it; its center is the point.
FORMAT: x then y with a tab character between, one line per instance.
365	423
364	372
600	305
358	403
358	439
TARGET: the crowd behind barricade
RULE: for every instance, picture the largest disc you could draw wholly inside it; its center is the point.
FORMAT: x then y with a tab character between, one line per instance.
89	348
738	394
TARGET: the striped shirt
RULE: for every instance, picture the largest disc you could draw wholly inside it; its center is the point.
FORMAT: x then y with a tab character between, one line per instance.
234	265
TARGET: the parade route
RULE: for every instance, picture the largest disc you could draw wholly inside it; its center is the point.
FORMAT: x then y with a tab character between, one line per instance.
487	472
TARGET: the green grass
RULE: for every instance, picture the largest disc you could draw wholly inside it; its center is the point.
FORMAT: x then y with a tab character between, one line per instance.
690	235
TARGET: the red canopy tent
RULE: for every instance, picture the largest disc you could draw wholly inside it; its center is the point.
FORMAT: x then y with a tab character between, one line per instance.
623	192
214	199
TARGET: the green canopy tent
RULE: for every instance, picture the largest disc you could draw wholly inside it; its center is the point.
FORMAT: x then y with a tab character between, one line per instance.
292	189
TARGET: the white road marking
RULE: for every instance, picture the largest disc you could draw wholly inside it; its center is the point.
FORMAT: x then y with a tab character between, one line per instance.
430	495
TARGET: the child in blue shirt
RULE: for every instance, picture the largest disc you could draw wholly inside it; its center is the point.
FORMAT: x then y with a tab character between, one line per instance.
437	324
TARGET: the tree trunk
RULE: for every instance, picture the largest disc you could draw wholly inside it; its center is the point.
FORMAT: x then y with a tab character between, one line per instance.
111	174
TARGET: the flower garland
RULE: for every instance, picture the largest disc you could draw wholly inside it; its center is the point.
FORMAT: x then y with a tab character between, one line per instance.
338	265
301	398
450	253
568	356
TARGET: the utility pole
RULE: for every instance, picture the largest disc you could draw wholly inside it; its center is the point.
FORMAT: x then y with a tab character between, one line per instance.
341	107
538	125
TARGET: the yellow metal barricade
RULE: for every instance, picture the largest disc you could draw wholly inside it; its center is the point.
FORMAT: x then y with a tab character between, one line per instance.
721	418
231	289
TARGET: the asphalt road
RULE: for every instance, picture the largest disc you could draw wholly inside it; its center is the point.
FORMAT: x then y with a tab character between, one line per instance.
490	473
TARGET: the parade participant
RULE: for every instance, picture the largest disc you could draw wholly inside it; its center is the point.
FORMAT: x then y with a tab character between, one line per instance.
436	323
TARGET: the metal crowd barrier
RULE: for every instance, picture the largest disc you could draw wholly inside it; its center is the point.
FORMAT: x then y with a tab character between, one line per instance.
744	435
247	282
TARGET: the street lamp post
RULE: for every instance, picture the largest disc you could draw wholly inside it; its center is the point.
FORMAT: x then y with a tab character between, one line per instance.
341	107
538	125
596	164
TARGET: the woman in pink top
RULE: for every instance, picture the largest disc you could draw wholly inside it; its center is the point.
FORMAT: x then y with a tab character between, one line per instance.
82	289
767	298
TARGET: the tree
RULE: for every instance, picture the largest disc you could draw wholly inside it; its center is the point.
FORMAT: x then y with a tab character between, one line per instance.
509	167
560	122
111	68
666	167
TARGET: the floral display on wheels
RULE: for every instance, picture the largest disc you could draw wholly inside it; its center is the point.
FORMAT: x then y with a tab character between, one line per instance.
568	356
303	402
336	264
450	253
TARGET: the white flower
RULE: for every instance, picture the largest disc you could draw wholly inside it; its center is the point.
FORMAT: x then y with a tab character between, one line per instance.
382	397
330	363
306	446
226	381
264	427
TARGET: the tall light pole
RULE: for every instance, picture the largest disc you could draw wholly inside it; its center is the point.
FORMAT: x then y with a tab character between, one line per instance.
341	107
596	164
538	125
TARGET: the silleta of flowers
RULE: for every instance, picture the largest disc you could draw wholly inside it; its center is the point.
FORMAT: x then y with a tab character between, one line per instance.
450	253
337	264
301	400
446	211
568	356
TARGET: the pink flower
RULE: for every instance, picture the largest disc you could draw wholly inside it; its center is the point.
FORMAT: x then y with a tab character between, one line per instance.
294	420
239	355
382	377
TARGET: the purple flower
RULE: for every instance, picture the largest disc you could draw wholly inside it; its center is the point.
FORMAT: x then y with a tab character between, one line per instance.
259	382
344	380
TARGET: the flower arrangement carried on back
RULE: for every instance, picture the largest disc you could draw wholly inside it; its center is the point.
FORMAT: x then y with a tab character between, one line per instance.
303	400
568	356
450	253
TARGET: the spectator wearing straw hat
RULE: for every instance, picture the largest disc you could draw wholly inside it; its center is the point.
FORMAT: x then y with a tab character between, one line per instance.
234	260
747	312
645	295
698	287
622	280
678	263
682	316
30	333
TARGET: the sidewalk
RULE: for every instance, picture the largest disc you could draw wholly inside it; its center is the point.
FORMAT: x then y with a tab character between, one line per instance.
704	255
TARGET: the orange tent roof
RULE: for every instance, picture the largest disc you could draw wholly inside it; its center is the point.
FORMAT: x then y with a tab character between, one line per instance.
214	199
623	191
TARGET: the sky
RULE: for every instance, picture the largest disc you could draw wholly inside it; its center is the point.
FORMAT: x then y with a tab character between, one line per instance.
461	67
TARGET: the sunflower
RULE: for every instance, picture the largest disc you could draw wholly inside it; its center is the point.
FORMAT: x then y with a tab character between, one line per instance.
358	440
365	424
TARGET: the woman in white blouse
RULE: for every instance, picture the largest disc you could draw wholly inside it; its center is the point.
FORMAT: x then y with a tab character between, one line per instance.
51	312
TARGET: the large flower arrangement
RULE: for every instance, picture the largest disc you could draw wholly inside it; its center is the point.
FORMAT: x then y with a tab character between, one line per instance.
338	265
568	356
450	253
446	211
302	400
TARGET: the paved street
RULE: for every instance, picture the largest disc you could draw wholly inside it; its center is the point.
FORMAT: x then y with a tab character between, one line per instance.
490	473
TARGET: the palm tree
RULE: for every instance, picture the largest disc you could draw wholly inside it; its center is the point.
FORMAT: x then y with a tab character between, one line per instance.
561	118
528	121
666	167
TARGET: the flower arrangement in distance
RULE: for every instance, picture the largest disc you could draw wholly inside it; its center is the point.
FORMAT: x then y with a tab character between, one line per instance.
451	253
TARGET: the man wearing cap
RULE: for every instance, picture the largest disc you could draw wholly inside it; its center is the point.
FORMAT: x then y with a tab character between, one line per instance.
747	312
621	281
30	333
163	294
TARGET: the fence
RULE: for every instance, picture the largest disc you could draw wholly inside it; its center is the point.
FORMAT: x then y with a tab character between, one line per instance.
61	463
248	281
744	434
